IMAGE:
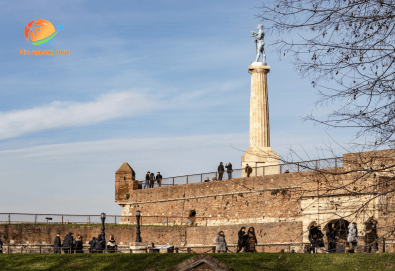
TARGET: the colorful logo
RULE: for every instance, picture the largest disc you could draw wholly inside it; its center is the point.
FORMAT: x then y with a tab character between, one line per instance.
41	32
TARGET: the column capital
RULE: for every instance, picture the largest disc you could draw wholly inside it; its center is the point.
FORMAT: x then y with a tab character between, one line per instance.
258	67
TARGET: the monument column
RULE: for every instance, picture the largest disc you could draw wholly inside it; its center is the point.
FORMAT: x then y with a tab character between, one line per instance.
259	155
259	106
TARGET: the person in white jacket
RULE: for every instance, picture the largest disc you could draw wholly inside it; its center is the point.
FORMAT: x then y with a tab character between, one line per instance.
352	236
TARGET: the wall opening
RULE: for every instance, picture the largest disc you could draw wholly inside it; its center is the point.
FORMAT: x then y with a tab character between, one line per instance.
192	213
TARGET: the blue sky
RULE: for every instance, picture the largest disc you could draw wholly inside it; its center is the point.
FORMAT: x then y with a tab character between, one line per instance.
162	85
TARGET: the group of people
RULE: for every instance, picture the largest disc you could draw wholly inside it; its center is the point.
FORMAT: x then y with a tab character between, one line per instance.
316	237
247	241
150	179
97	244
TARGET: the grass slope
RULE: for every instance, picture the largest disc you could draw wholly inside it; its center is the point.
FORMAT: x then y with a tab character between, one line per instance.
242	261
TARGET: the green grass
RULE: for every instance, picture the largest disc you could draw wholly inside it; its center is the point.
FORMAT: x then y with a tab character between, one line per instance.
241	261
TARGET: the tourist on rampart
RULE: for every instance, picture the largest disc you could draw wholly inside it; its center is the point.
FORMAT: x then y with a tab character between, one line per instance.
241	243
147	182
111	245
151	180
220	243
92	244
159	179
229	170
221	171
251	241
78	245
352	237
67	245
248	170
332	238
371	235
1	245
57	243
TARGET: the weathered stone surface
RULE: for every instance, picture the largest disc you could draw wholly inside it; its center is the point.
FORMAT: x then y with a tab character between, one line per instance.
259	153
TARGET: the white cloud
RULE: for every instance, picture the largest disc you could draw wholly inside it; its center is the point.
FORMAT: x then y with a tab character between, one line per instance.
61	114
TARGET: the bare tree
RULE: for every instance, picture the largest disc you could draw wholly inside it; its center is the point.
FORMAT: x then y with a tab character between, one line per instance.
346	48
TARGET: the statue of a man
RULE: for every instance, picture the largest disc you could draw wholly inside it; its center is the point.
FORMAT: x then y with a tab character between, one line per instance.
259	43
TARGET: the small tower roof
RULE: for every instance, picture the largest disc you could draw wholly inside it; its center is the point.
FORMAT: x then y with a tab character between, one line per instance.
124	168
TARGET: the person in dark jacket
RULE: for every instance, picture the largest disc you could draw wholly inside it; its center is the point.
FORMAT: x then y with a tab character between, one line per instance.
371	235
159	179
251	240
111	245
67	245
221	171
100	244
1	246
151	180
92	244
332	238
248	170
229	170
57	243
241	243
316	238
147	182
78	245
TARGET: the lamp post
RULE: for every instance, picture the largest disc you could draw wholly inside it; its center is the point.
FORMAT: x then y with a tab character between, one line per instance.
103	233
138	237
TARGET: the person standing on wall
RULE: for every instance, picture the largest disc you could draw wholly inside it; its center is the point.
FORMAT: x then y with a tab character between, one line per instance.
221	171
241	243
57	244
151	180
147	182
220	243
229	170
78	244
251	241
248	170
159	179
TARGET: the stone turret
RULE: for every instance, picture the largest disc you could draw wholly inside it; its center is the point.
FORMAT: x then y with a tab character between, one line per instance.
125	182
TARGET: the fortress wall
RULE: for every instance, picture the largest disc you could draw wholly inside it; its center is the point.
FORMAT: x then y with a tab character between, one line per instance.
236	201
179	236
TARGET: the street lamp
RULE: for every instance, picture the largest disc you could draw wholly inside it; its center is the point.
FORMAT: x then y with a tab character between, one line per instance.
103	233
138	237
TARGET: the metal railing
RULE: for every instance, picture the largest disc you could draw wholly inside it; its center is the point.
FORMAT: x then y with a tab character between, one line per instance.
64	219
302	166
387	245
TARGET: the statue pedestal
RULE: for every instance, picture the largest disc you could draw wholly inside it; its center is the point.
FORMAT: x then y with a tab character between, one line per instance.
264	161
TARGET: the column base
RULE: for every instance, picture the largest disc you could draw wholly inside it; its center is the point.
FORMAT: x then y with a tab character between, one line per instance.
264	161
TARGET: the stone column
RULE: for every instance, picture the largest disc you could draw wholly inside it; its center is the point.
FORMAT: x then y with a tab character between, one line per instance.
259	155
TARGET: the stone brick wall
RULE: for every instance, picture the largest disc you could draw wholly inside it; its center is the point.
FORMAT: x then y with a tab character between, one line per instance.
179	236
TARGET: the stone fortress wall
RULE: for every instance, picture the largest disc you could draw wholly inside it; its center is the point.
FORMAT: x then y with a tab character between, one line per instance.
259	200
